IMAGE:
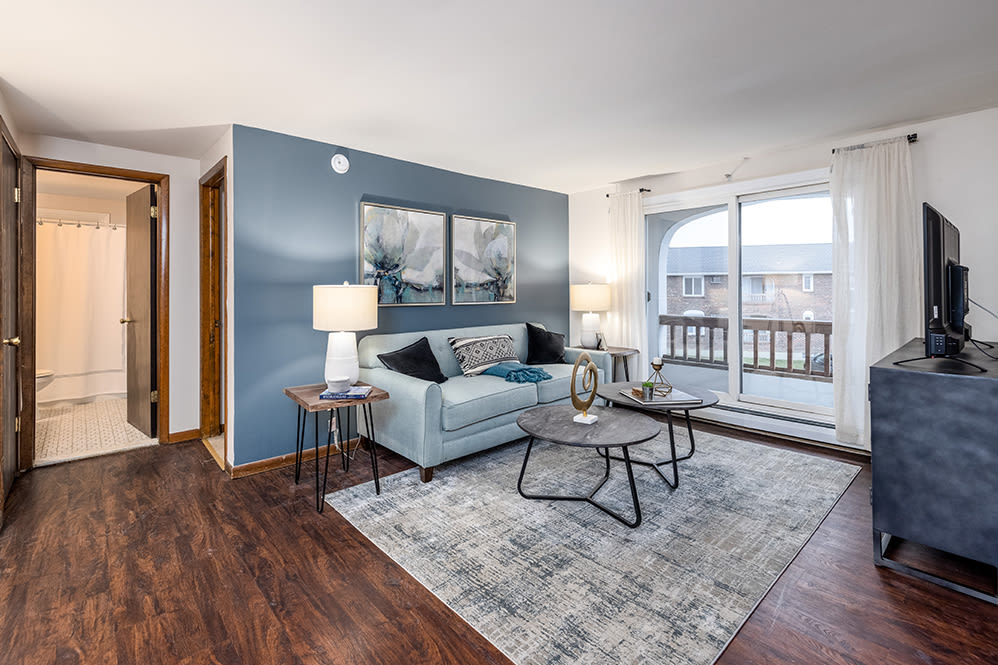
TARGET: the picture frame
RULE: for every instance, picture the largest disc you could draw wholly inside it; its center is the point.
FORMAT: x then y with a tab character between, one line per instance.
403	253
483	261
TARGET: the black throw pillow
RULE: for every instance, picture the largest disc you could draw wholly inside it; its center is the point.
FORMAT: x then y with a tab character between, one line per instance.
416	360
544	347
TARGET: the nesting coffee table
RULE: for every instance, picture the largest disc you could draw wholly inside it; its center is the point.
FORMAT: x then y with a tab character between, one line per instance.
611	393
616	428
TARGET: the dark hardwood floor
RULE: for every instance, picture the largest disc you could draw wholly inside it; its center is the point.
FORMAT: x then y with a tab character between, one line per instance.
154	556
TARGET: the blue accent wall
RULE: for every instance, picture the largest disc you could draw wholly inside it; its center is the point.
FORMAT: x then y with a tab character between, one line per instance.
297	223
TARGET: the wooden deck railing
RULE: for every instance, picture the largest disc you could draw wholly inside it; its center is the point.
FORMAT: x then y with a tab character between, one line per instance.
771	346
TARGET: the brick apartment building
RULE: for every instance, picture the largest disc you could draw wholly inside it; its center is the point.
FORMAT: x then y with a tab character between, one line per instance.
778	281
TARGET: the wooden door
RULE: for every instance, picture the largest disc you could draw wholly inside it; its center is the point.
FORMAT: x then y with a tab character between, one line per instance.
212	199
140	307
10	397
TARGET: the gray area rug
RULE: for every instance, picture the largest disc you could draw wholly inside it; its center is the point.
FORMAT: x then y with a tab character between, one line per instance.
562	582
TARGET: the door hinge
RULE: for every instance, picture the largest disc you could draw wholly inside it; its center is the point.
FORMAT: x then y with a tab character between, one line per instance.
17	424
17	195
154	396
154	212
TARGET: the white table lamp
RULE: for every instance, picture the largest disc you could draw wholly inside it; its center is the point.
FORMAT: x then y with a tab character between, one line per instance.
591	299
342	309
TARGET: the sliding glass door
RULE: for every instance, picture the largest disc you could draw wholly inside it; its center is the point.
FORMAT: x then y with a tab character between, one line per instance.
786	297
747	279
688	294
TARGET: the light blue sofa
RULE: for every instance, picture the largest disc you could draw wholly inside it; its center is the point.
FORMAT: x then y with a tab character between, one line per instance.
431	423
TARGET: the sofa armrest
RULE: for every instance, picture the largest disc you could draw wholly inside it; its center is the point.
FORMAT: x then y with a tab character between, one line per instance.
603	360
408	422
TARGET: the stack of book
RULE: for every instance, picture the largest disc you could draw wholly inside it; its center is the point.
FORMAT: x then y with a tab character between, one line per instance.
353	392
674	398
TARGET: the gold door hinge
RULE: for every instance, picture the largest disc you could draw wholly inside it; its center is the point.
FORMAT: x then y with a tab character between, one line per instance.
17	424
17	195
154	212
154	396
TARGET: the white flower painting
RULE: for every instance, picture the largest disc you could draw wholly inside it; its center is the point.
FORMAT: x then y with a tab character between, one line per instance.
403	252
484	261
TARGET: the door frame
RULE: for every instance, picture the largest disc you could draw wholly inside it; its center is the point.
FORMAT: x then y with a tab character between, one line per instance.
7	137
214	364
30	166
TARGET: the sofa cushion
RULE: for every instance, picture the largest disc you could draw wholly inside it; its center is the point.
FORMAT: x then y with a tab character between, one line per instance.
557	387
416	360
544	346
477	354
471	399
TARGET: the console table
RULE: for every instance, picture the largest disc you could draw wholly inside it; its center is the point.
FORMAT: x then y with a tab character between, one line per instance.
934	455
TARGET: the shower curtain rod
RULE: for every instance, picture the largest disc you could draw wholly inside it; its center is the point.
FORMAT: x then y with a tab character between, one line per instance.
60	221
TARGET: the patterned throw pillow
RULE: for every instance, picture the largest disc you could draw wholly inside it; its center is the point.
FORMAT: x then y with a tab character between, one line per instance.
477	354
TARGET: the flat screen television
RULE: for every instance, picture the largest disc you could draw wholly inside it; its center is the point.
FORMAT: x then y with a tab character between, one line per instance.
946	294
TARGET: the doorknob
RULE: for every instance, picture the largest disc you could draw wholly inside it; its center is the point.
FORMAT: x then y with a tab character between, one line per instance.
124	320
12	341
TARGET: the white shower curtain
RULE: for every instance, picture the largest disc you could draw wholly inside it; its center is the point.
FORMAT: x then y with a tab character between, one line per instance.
626	320
877	280
79	302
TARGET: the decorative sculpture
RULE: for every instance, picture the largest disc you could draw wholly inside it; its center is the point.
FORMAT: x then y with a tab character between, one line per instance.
662	387
590	380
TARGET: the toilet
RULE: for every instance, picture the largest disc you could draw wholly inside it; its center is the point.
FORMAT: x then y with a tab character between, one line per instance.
43	377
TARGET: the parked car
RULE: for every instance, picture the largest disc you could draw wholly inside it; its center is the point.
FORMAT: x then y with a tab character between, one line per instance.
818	362
692	330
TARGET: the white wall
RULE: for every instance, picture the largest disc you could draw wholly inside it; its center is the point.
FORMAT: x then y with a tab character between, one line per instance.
588	245
184	294
223	148
955	166
9	121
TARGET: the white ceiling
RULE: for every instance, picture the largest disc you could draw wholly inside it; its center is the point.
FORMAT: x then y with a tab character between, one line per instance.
561	94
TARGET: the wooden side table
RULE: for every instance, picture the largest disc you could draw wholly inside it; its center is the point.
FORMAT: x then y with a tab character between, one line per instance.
307	399
621	353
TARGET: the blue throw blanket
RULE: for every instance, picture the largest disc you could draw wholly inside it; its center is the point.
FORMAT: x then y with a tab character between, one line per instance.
518	372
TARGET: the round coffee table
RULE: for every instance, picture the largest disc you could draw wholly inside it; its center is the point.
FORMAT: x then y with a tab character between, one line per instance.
611	393
616	428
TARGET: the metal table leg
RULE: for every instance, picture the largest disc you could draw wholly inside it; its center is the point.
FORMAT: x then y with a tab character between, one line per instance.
673	460
299	442
373	444
589	497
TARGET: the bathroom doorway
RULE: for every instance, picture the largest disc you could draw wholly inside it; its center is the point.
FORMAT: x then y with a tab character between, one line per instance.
95	355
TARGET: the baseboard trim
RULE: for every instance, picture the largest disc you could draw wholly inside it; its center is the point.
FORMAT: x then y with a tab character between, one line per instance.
181	437
260	466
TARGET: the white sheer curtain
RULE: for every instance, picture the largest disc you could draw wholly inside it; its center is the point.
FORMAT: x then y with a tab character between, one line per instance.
79	300
626	320
877	280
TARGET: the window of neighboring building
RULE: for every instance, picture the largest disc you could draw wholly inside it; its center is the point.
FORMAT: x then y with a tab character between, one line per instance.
808	315
807	282
693	286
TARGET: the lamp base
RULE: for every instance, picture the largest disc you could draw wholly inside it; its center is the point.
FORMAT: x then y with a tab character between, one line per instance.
590	327
342	369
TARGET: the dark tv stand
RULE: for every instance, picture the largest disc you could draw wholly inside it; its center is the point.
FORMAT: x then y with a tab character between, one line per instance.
934	456
956	358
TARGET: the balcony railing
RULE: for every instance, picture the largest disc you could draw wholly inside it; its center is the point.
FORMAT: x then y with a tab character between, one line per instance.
784	347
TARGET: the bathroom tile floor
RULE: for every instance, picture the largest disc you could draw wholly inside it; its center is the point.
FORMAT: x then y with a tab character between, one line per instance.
66	431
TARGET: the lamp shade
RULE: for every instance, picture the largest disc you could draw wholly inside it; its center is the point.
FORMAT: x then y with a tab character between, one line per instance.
342	307
589	297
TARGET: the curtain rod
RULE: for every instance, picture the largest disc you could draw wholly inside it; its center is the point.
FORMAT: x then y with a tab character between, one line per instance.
640	191
73	222
912	138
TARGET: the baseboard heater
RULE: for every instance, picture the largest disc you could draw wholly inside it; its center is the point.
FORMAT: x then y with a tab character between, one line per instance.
774	416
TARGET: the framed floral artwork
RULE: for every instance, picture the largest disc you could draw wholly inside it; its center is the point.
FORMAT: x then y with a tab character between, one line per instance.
483	264
404	253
